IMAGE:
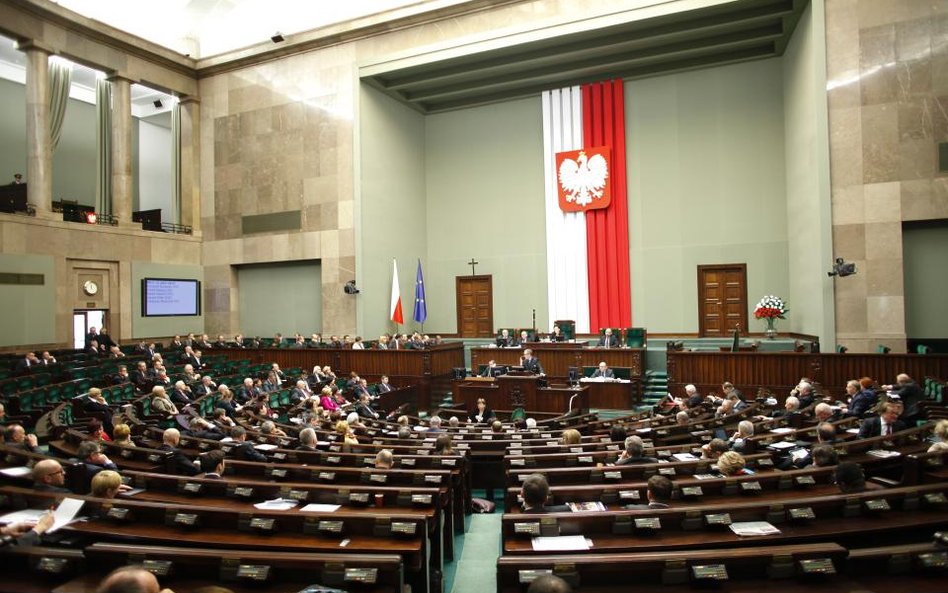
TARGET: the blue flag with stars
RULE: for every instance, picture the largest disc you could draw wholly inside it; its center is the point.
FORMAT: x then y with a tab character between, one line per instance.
421	309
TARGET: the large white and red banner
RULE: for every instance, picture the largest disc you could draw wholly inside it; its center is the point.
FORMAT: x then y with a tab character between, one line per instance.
587	227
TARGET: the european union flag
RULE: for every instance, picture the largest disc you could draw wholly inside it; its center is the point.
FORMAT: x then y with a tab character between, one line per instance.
421	309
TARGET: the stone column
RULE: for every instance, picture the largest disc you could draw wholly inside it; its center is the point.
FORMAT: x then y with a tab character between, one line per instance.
191	163
39	157
121	149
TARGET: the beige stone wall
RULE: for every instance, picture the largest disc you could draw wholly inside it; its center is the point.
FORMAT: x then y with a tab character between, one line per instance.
77	248
887	70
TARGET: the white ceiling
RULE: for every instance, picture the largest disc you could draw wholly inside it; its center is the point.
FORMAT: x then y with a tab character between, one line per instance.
202	28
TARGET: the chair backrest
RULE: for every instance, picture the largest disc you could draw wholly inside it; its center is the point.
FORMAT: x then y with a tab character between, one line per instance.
840	349
636	337
923	349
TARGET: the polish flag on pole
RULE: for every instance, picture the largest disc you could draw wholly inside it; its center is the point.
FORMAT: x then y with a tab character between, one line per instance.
395	310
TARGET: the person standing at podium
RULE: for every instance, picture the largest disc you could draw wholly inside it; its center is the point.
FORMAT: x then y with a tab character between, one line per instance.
604	372
531	363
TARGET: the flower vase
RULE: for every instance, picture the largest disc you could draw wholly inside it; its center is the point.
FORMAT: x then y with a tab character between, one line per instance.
771	330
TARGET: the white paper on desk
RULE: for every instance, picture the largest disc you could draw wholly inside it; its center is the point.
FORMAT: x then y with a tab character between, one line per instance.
754	528
24	516
277	504
781	430
265	447
783	445
16	472
320	508
883	453
684	457
563	543
132	492
65	513
852	430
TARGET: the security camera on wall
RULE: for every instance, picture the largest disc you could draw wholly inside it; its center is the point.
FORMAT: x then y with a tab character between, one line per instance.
350	288
842	269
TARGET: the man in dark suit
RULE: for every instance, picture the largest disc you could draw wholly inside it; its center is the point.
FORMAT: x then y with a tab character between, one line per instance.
212	465
363	409
885	424
93	459
180	464
15	437
47	359
634	453
604	372
608	340
307	440
207	386
504	339
92	336
243	450
93	349
140	377
659	494
105	340
49	476
384	386
181	394
535	491
23	365
531	363
910	393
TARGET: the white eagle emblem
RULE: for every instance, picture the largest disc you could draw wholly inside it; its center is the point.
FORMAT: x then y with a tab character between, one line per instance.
583	179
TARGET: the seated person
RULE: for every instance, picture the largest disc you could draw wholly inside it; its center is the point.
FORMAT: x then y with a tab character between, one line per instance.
682	418
557	335
384	459
491	369
180	464
659	494
106	484
885	424
570	436
731	463
25	533
160	402
212	464
863	397
634	452
93	459
49	476
535	491
307	439
608	340
850	478
940	435
504	339
738	441
714	449
244	450
481	414
603	372
823	412
444	445
549	583
15	437
122	435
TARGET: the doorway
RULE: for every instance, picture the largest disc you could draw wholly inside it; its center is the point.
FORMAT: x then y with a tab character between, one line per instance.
475	306
82	320
722	300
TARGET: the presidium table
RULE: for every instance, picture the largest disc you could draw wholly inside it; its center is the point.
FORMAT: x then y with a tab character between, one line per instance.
557	358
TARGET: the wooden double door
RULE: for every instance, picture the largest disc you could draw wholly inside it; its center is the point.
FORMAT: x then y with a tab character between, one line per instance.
475	306
722	300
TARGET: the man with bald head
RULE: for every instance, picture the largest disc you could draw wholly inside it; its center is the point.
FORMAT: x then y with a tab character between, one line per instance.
48	476
130	579
179	464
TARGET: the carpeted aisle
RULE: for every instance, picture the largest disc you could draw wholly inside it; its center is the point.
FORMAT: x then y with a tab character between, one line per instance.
476	570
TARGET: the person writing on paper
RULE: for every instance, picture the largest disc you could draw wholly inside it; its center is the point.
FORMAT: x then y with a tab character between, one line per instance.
603	372
25	533
531	363
535	491
481	414
659	494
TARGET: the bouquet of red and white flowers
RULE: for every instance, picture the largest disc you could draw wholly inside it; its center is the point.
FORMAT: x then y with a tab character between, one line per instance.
771	307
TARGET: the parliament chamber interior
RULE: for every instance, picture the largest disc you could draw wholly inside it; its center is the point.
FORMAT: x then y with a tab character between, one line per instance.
474	296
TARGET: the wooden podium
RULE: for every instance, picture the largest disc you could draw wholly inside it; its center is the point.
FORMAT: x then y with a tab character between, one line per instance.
517	390
508	392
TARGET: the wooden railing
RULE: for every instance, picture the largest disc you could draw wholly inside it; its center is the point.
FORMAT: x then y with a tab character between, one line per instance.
780	371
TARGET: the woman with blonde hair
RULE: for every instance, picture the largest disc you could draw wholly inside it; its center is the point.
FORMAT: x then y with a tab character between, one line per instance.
346	434
106	484
122	435
731	463
941	436
570	436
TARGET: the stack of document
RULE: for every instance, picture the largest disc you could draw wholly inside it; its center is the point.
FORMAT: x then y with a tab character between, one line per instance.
754	528
578	507
685	457
277	504
563	543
